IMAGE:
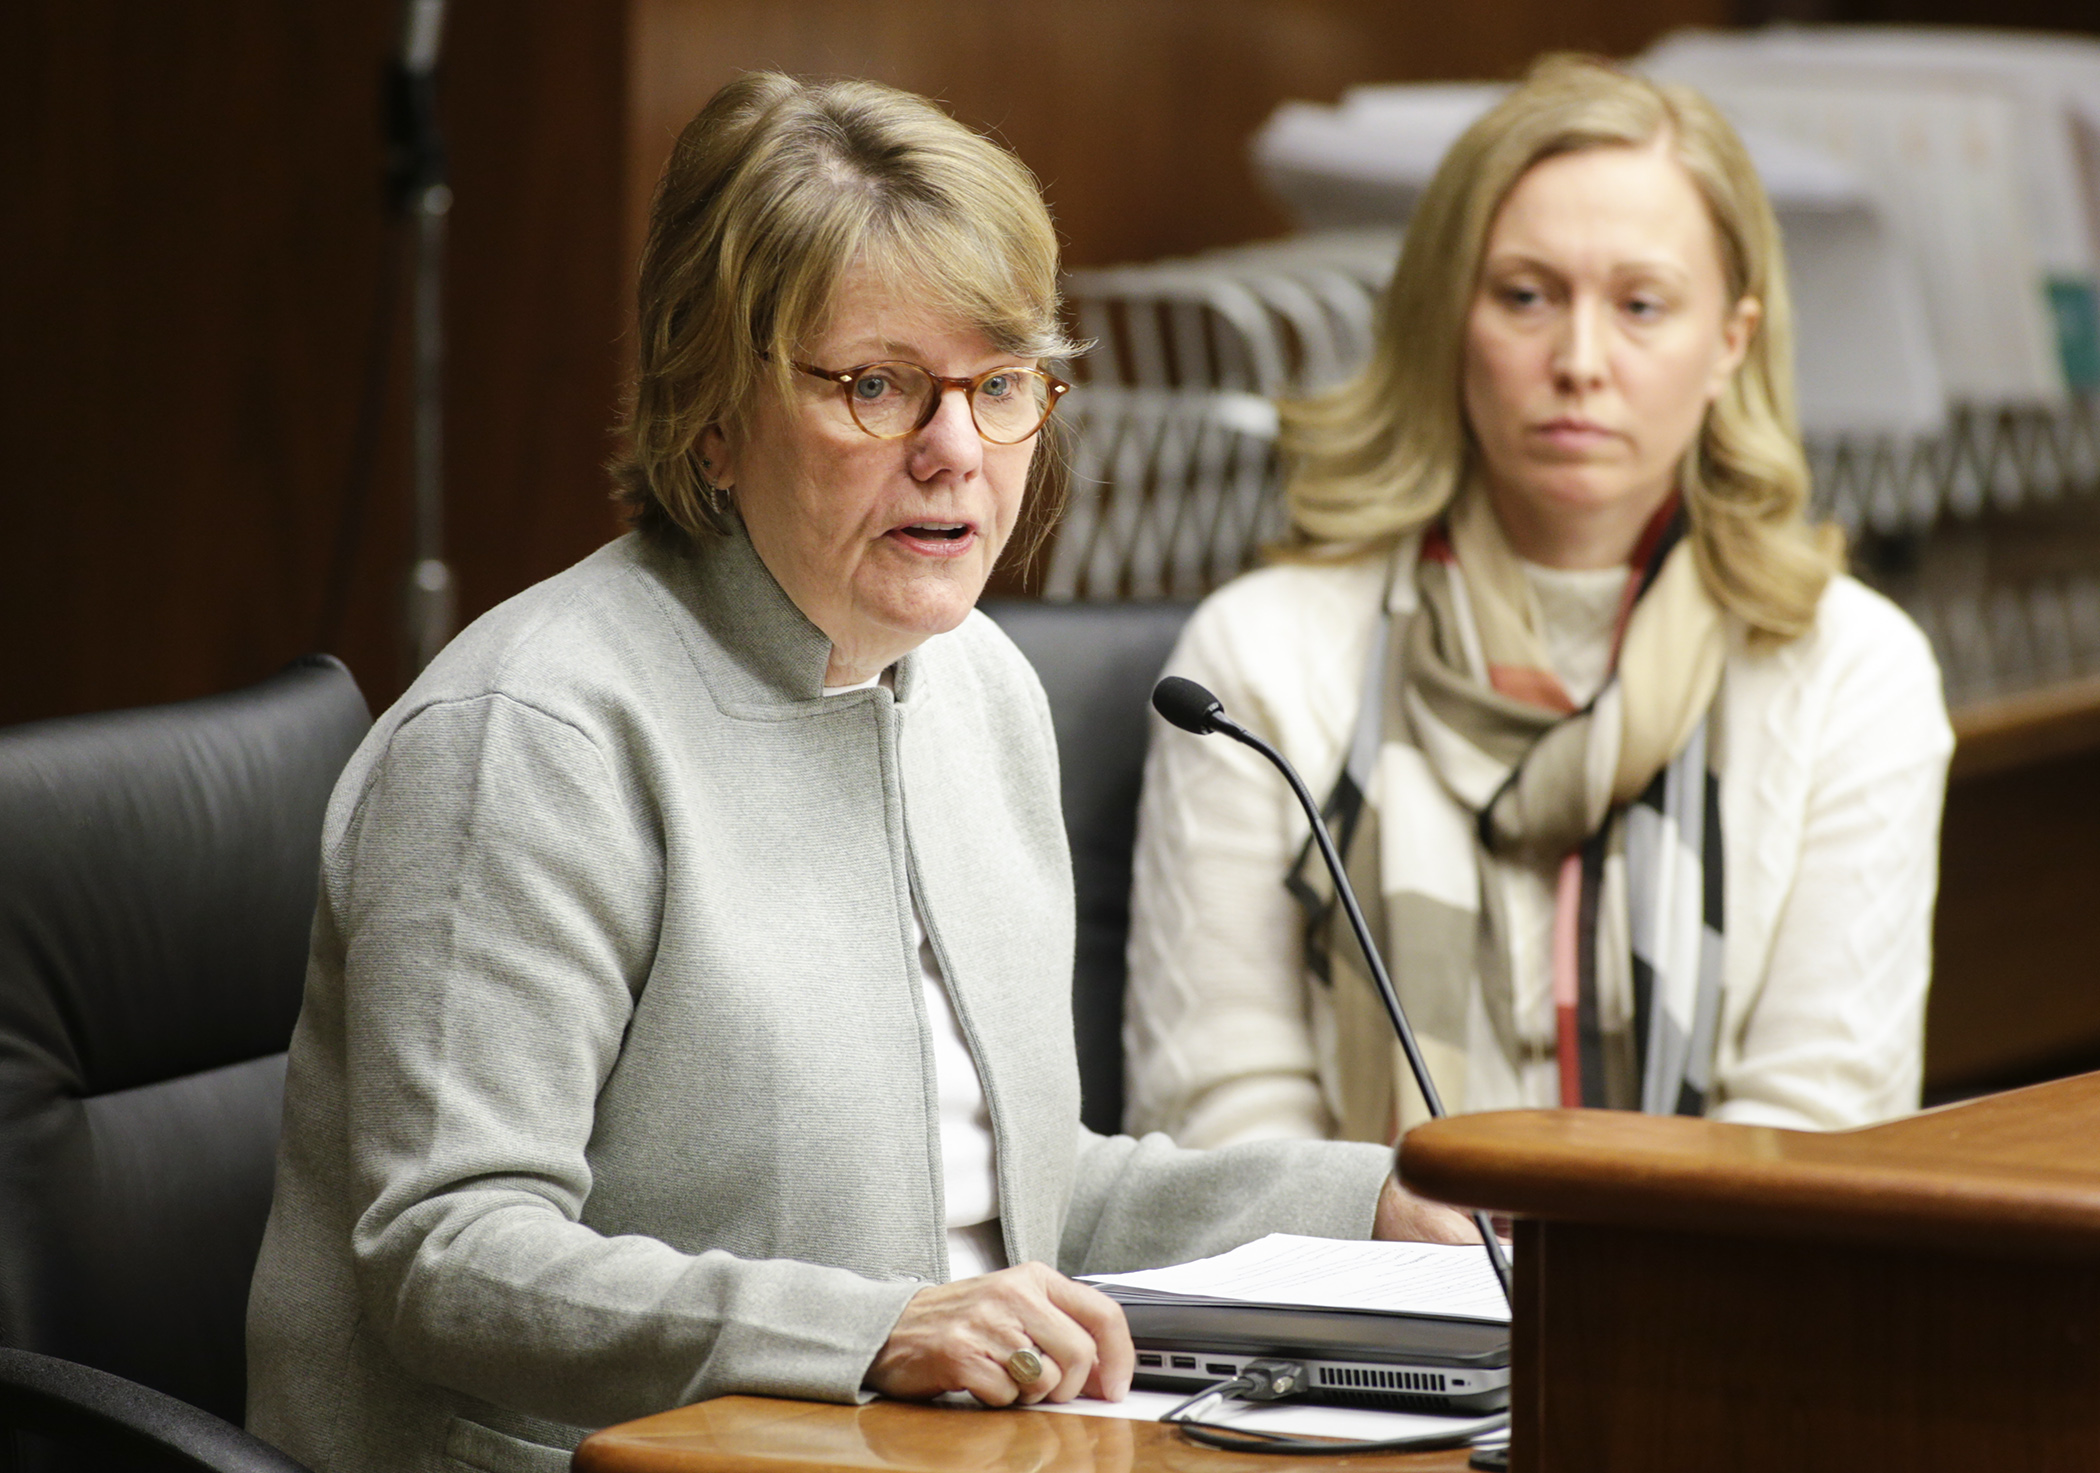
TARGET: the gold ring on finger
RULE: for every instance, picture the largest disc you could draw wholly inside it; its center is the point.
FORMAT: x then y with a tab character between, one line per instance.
1025	1366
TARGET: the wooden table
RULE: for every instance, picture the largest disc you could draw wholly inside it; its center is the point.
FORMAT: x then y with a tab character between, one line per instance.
1918	1297
751	1434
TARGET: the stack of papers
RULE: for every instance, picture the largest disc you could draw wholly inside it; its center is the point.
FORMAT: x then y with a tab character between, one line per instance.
2051	84
1285	1271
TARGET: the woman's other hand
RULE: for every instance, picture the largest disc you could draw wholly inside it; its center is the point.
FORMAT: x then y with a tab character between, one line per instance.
958	1337
1404	1217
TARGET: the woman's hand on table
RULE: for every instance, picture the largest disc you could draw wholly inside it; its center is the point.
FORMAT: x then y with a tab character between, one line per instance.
959	1336
1403	1217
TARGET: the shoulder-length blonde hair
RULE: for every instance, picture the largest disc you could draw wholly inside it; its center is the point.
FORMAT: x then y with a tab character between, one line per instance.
1386	452
774	191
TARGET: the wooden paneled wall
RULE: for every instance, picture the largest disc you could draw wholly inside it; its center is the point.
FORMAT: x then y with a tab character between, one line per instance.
194	245
189	276
1135	117
2043	15
192	263
186	272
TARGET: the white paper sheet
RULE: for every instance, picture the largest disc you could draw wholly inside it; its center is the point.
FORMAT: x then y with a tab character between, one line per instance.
1330	1273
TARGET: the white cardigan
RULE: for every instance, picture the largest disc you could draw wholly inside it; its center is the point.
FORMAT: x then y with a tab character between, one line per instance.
1834	760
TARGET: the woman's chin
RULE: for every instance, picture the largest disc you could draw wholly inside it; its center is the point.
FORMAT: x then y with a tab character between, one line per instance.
1579	496
927	601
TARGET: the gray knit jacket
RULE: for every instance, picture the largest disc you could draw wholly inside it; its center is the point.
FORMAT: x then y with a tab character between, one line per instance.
613	1088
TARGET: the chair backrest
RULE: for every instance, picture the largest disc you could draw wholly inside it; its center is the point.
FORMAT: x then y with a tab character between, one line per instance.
1097	662
157	878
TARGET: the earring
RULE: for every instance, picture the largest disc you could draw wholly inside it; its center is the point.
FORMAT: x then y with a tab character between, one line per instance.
717	501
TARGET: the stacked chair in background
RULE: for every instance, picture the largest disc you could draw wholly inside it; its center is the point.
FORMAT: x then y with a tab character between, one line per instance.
1174	421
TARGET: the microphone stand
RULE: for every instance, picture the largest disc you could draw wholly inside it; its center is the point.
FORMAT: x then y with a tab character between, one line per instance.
417	186
1194	709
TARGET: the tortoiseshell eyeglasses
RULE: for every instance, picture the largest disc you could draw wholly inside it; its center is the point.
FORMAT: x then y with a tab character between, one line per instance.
893	398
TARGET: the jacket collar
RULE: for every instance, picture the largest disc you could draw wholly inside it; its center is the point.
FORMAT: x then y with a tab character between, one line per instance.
776	656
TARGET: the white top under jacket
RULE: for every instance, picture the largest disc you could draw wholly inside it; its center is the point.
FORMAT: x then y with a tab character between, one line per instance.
1833	754
968	1159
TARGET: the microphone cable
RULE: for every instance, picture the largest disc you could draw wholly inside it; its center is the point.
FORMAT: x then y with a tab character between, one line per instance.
1275	1380
1195	710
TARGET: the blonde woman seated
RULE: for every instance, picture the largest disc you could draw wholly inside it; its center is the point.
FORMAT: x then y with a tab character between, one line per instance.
1641	791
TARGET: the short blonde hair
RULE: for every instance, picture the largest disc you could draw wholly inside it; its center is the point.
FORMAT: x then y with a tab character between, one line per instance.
774	191
1386	452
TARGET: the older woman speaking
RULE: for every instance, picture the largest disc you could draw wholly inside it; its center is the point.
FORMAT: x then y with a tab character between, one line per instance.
689	1000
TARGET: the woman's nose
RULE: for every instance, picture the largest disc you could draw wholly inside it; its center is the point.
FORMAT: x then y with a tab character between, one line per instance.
1578	359
949	442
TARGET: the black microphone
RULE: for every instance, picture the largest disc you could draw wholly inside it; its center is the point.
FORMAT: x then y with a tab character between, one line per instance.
1192	708
1189	706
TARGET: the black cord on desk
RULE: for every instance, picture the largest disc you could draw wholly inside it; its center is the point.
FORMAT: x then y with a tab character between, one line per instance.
1272	1380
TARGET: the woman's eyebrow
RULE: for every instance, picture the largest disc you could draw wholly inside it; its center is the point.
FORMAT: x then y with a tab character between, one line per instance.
1675	271
1637	265
884	349
1516	261
871	348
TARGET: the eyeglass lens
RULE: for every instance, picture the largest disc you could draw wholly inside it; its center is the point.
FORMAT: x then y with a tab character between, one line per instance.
890	399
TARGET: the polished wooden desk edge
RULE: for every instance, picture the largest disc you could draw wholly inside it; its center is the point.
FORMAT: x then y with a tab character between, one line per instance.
753	1434
2027	726
2014	1175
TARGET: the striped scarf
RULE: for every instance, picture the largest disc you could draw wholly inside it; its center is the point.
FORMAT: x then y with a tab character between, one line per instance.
1470	772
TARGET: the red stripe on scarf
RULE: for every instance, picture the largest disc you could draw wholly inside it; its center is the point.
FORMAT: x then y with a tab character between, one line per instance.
1567	979
1643	557
1533	687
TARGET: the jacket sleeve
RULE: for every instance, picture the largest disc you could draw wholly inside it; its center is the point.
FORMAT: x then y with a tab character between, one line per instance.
497	892
1835	1035
1143	1202
1218	1042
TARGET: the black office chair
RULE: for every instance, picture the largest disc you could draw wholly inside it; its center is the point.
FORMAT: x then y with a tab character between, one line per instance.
1097	662
157	878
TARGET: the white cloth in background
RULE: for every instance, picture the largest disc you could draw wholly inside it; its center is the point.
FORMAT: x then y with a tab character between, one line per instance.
1835	751
970	1180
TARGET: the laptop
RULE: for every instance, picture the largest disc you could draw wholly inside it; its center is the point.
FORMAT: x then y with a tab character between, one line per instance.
1369	1358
